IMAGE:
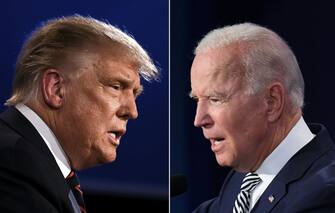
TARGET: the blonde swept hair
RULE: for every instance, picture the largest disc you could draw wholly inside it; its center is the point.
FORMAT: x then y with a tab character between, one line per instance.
53	43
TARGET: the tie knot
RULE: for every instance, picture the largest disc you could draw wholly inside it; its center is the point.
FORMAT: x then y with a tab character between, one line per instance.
250	181
71	175
242	202
72	179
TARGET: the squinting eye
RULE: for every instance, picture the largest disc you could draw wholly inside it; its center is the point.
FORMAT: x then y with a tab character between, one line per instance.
116	86
195	99
215	101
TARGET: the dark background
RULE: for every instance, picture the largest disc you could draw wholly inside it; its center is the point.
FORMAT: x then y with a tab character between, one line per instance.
139	176
307	26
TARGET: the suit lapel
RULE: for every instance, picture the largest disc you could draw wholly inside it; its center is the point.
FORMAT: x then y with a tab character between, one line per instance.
230	190
16	121
294	169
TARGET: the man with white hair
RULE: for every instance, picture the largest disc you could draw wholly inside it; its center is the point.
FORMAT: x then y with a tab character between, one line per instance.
74	91
250	92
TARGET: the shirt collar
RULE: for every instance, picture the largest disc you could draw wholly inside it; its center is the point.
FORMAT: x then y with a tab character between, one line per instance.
298	137
48	137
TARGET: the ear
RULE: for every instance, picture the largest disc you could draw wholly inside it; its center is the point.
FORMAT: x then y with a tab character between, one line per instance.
275	101
53	88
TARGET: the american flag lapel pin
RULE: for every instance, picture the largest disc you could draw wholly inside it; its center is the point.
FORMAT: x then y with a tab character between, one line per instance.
271	198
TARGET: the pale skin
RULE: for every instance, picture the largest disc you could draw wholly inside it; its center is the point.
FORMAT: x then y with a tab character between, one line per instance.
243	129
88	113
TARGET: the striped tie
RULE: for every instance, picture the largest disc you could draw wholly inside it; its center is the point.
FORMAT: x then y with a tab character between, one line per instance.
242	202
73	181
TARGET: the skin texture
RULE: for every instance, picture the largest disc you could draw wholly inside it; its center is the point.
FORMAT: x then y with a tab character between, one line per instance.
249	127
88	112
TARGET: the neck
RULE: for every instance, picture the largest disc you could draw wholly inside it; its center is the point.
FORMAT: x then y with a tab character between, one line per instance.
50	118
277	133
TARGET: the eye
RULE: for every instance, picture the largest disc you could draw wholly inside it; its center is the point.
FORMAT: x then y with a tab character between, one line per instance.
116	87
196	99
215	100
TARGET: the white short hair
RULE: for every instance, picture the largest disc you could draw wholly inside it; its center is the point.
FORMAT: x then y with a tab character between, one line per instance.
264	56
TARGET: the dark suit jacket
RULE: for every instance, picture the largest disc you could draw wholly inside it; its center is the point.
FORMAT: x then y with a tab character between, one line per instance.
30	179
305	184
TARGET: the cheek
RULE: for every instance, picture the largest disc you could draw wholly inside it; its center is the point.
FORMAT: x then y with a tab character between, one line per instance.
248	117
228	155
106	103
250	136
111	105
98	107
241	126
228	121
84	117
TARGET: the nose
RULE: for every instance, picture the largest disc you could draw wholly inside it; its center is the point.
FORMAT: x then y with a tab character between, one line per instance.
128	108
202	117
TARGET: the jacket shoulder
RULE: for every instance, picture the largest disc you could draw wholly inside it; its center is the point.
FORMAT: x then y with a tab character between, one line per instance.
27	178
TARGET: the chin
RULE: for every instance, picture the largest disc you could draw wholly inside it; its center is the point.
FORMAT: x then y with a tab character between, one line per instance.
111	159
222	162
100	160
108	158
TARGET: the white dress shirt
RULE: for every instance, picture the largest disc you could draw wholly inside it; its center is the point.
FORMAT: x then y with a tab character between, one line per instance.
298	137
48	137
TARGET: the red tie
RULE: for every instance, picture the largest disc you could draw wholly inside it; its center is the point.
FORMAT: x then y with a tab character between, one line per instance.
73	181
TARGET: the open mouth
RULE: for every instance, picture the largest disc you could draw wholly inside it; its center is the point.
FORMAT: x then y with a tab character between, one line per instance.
217	141
217	144
115	137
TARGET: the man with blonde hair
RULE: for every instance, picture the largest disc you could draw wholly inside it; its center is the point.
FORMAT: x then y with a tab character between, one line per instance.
250	93
75	88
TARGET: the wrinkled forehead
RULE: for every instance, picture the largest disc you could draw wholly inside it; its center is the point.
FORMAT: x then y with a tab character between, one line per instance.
218	65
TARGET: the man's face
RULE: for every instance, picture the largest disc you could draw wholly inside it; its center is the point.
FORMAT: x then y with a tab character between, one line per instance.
97	107
235	123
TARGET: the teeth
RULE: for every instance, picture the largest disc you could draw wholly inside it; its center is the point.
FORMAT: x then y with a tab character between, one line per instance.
113	135
217	142
115	140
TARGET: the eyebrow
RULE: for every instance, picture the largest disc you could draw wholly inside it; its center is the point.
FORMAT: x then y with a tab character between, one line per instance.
128	82
125	83
138	91
191	95
212	94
